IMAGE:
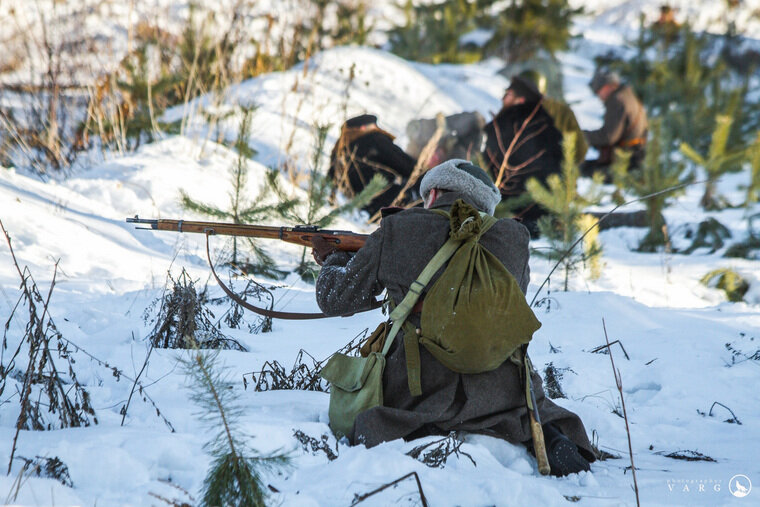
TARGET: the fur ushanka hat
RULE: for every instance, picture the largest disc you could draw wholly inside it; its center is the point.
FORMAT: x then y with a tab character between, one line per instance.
458	175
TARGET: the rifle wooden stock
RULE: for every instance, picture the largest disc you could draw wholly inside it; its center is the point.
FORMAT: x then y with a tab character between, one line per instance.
346	241
536	430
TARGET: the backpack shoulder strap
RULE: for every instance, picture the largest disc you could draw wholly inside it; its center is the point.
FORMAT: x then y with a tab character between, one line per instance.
404	308
488	222
402	311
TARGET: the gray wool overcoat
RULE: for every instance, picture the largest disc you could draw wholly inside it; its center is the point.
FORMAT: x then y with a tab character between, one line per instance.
493	402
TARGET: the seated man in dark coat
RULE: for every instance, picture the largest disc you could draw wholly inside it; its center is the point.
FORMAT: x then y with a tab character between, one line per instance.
491	403
362	151
525	132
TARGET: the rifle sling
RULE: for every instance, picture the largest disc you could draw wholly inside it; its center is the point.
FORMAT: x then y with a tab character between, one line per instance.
274	314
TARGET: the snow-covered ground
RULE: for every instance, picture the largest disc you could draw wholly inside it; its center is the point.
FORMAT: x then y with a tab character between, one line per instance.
674	330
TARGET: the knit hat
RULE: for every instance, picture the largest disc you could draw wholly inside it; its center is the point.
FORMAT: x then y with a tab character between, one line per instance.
601	78
458	175
525	88
359	121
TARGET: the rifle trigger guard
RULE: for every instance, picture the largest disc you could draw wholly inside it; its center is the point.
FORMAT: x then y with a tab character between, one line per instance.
209	231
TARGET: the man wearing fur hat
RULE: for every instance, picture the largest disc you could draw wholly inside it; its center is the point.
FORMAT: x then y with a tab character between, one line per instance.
522	142
363	150
491	403
625	124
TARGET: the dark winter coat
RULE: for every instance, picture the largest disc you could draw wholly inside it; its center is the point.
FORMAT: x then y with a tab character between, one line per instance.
492	402
359	155
537	152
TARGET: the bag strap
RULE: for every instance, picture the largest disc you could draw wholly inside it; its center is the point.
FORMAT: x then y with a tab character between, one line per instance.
404	308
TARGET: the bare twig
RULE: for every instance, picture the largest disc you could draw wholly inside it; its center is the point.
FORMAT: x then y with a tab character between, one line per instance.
134	384
735	419
119	374
508	152
619	384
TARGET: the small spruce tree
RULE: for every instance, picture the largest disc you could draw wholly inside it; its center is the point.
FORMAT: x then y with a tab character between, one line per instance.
522	28
352	26
316	210
720	159
242	211
234	477
659	172
564	225
431	31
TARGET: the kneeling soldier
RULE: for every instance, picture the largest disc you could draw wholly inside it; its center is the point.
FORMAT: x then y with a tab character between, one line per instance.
491	402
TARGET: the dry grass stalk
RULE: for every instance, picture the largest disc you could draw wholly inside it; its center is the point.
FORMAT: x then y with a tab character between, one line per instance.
619	384
47	401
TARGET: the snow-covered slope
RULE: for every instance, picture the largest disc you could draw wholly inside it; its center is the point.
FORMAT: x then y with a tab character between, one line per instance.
673	330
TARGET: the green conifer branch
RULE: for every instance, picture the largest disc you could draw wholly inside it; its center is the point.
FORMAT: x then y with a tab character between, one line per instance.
234	477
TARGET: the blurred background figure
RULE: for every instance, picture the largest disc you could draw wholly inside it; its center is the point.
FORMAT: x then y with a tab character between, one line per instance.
625	124
363	150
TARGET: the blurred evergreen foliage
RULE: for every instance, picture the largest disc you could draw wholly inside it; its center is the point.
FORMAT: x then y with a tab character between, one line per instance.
432	32
659	173
685	78
566	222
718	160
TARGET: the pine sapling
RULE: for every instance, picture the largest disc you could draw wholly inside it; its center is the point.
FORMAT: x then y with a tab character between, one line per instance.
317	210
235	475
243	211
753	188
658	172
562	226
720	159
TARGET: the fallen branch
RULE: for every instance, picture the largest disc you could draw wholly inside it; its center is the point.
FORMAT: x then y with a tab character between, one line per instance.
438	455
687	455
361	498
601	349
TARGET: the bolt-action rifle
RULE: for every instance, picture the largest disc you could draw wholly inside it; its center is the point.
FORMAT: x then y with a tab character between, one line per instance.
346	241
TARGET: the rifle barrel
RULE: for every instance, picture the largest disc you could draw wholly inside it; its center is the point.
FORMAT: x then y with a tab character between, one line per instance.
301	235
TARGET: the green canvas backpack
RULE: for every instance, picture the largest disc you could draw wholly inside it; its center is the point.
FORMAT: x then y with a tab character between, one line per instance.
475	315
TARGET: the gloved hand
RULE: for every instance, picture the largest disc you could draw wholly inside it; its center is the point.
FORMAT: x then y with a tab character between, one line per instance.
321	249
